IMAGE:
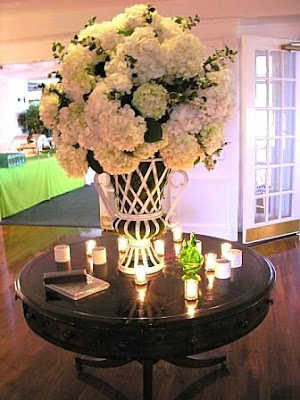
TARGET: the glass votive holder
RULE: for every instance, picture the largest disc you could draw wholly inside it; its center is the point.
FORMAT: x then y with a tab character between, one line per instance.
199	246
225	247
159	246
140	274
191	289
62	253
99	255
122	244
210	275
236	258
89	246
210	261
223	268
177	234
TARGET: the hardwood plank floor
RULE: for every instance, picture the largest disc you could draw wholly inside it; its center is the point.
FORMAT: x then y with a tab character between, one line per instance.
264	365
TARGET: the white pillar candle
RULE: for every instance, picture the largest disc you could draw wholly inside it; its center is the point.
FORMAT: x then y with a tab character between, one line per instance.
199	246
223	268
122	244
236	258
225	247
99	255
89	246
177	249
210	261
159	246
191	289
177	234
62	253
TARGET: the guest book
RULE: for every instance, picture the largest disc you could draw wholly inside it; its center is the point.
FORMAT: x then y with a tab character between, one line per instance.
74	284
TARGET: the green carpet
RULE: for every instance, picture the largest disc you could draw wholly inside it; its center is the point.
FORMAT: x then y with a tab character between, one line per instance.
78	208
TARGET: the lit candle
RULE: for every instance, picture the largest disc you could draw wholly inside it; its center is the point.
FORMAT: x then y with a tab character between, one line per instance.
177	234
223	268
89	246
122	244
191	289
236	258
62	253
177	249
140	274
99	255
159	246
225	247
210	261
210	278
199	246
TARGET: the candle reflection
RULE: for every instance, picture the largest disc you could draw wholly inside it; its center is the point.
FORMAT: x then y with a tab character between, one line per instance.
177	249
142	292
191	307
210	278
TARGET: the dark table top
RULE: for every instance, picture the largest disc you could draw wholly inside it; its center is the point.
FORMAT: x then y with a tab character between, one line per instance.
164	301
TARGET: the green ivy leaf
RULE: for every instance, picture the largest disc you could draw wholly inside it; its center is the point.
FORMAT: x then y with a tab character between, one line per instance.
128	32
154	131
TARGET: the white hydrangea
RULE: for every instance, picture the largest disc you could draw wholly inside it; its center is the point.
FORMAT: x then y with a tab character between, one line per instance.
106	32
219	99
72	160
147	150
133	17
185	118
181	152
151	100
76	78
114	161
115	126
48	108
144	47
165	28
212	138
71	122
118	75
183	56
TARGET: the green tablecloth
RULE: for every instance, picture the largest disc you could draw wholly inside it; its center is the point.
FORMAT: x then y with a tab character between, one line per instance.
39	179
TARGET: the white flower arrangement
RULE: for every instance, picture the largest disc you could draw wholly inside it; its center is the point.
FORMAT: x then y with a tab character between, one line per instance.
137	87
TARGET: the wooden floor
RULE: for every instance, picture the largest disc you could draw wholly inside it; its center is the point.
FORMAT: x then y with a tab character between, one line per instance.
263	365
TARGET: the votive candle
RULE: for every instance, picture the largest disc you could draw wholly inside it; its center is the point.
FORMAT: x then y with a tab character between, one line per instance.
191	289
159	246
140	274
89	246
99	255
210	261
122	244
62	253
199	246
236	258
177	249
225	247
177	234
223	268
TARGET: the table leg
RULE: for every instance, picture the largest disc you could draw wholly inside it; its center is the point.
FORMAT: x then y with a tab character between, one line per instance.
148	372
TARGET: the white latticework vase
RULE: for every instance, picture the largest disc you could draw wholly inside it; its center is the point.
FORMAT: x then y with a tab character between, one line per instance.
140	214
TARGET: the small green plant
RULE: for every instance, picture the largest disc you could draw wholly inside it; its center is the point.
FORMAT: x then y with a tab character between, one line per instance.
190	259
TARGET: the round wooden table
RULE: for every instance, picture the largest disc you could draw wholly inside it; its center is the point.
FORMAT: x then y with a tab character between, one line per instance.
127	323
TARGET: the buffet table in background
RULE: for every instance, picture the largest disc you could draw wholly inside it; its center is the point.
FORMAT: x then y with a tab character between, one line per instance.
37	180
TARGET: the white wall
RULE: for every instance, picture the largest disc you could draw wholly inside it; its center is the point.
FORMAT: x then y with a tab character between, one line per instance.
12	94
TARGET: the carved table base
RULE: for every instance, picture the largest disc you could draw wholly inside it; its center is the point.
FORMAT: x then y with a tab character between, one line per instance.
194	361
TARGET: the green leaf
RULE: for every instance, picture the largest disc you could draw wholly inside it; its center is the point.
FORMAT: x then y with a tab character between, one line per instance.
127	32
154	131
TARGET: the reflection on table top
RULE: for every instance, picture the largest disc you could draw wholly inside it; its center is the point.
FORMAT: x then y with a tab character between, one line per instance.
162	300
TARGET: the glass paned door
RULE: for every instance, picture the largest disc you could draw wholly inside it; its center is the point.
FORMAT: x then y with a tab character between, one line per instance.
271	139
